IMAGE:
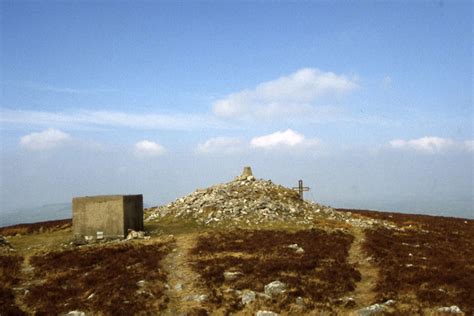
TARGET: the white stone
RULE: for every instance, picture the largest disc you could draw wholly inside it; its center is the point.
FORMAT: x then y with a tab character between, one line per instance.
266	313
275	288
231	275
299	250
371	310
248	296
451	310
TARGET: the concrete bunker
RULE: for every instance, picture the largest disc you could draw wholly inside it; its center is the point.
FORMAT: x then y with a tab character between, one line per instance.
106	216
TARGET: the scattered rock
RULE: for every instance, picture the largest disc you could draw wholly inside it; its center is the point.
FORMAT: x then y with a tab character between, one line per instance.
375	309
347	302
371	310
248	296
389	303
196	298
250	201
76	313
4	242
299	301
450	310
229	276
266	313
135	235
141	283
275	288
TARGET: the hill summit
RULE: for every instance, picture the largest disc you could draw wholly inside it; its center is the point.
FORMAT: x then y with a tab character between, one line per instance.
245	201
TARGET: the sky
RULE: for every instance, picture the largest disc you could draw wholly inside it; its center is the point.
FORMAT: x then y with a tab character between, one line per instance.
370	103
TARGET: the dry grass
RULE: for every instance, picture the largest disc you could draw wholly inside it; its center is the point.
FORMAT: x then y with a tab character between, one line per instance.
431	258
40	227
321	273
102	280
9	277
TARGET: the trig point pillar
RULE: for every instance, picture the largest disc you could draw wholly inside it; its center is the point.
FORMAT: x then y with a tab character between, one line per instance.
247	172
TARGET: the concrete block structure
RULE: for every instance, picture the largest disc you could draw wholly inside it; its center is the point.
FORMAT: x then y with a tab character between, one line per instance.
106	216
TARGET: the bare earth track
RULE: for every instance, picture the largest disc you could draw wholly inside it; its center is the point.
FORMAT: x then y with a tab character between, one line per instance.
185	296
364	294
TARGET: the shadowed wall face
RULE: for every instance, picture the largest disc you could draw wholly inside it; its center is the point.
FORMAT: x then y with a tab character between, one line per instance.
112	215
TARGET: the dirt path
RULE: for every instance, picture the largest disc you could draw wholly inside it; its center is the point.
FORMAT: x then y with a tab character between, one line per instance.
26	280
364	294
186	297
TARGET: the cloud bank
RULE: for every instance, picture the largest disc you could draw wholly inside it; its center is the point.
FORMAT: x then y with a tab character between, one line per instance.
87	118
280	140
288	138
146	148
428	144
295	94
44	140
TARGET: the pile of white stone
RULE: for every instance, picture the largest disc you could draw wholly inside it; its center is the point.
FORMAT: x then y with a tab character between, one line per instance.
246	200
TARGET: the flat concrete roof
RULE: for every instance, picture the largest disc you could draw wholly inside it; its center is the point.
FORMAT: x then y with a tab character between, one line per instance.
108	196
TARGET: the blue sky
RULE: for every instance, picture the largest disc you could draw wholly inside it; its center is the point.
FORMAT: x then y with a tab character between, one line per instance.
369	103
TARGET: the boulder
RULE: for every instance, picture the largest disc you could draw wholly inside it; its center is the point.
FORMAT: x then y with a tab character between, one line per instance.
275	288
248	296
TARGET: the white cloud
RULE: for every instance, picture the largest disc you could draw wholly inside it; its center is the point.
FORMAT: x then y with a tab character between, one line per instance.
44	140
469	145
286	139
429	144
69	90
295	94
94	119
146	148
226	145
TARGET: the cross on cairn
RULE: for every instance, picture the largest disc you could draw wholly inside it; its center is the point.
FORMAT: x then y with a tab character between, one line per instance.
301	188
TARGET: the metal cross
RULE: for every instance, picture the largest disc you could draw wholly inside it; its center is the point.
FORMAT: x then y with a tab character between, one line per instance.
301	188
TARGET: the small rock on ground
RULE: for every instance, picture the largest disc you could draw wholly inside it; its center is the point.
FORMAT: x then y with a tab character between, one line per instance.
266	313
275	288
248	296
451	310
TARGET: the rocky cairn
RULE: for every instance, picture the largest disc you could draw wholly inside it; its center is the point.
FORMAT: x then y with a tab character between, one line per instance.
244	201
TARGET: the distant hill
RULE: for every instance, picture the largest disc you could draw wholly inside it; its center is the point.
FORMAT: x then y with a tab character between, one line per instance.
36	214
46	212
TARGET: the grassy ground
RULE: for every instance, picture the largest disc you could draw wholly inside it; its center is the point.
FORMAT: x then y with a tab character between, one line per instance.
9	278
319	275
103	280
425	263
431	259
40	227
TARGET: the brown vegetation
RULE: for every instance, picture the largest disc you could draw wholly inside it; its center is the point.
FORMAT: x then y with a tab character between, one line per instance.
9	277
321	274
39	227
102	280
429	257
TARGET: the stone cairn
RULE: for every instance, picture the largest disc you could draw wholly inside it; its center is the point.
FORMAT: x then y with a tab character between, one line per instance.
245	201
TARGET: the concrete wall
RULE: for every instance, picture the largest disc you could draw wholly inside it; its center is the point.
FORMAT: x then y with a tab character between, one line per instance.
111	214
